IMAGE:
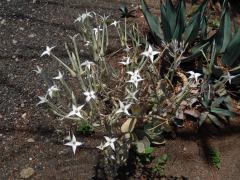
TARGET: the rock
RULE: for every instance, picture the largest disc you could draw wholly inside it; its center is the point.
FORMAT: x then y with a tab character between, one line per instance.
3	22
32	35
31	140
14	41
24	115
27	173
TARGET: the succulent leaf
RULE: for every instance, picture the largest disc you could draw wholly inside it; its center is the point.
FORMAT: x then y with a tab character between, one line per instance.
223	35
152	21
223	112
180	21
232	51
215	120
167	31
192	29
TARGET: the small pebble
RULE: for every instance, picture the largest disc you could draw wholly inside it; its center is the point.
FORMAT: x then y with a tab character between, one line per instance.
24	115
14	41
26	173
31	140
32	35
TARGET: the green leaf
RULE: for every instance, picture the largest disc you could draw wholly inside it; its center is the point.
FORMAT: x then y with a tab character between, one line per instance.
196	51
203	118
222	112
223	35
213	55
180	21
152	21
217	101
203	19
215	158
191	31
202	7
171	14
232	51
149	150
203	28
165	25
215	120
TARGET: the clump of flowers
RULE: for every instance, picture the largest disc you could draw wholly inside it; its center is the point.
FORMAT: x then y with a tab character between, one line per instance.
136	101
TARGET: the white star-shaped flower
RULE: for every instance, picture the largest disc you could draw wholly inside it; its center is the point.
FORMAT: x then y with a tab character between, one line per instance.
112	157
135	80
76	111
150	53
47	51
135	77
110	142
89	95
127	49
229	77
74	144
43	99
87	43
51	90
131	95
88	64
39	70
96	31
82	17
59	77
194	75
115	23
135	74
126	61
101	146
123	108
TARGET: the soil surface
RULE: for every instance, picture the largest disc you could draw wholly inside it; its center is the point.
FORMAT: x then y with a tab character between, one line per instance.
29	136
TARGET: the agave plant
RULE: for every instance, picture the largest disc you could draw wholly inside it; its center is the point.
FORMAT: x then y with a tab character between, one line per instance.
174	25
225	50
217	110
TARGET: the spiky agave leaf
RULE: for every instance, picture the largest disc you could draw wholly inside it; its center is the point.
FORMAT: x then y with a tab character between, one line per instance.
152	21
232	51
223	36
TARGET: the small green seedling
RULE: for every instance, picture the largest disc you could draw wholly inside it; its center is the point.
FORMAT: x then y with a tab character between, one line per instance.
215	158
159	167
85	129
146	157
